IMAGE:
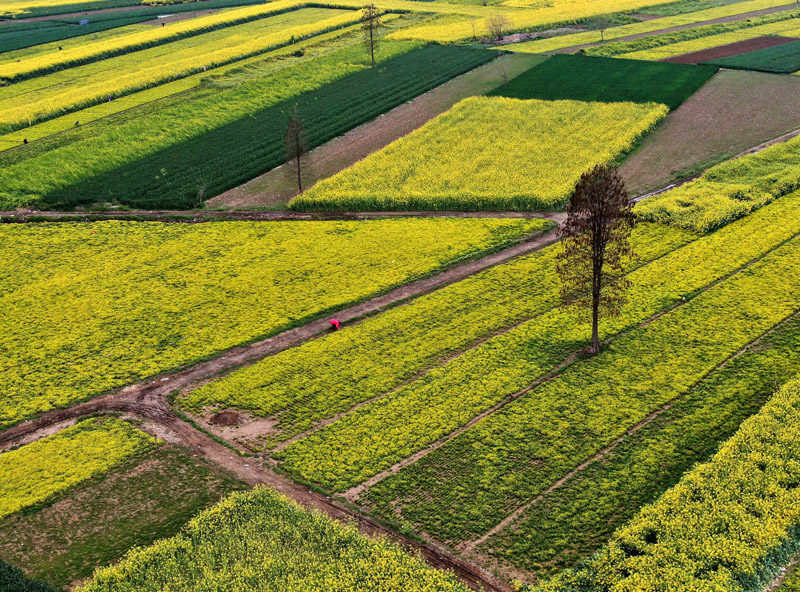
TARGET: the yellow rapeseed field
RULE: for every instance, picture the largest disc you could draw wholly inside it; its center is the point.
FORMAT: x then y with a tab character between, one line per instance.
489	154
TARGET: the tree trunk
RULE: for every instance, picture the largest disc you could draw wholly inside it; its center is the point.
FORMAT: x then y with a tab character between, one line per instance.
595	331
371	45
299	178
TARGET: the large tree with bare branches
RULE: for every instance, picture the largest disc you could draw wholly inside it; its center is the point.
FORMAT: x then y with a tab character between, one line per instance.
596	245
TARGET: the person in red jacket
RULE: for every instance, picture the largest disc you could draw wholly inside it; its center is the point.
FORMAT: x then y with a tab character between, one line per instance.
335	324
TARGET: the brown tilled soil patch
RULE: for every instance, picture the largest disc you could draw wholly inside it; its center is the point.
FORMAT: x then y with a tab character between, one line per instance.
722	119
729	50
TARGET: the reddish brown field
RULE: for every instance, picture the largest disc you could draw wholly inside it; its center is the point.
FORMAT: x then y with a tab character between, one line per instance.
729	50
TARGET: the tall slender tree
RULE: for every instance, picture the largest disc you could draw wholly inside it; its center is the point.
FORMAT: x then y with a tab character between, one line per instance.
296	145
596	245
370	23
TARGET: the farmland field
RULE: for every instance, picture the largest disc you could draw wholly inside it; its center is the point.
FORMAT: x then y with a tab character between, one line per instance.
608	80
416	173
182	312
412	296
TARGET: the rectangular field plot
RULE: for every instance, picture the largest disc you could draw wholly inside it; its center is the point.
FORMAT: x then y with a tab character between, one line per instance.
33	473
782	59
279	546
487	154
88	307
583	78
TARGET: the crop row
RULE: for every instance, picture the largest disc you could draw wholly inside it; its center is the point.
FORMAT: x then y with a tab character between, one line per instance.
573	521
88	151
38	99
729	190
692	45
28	8
383	432
323	377
146	102
259	540
555	13
86	308
468	485
38	471
729	524
205	165
655	41
488	154
643	27
95	50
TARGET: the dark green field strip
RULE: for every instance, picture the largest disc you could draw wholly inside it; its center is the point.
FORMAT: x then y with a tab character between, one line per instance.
462	489
96	522
185	174
21	39
12	579
572	522
608	80
781	59
42	11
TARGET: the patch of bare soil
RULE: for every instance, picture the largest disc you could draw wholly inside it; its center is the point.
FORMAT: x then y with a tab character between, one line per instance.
278	185
729	50
721	120
181	16
226	418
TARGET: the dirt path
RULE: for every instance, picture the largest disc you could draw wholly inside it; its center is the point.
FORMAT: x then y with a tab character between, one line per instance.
190	216
723	19
149	401
278	186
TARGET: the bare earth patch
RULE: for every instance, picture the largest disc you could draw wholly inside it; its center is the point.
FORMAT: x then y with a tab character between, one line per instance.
729	50
724	118
278	185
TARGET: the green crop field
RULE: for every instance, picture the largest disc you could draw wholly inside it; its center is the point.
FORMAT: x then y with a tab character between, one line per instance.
607	80
303	296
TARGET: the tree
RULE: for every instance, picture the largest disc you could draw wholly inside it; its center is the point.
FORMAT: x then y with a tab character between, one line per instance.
370	23
296	146
602	24
497	25
596	245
